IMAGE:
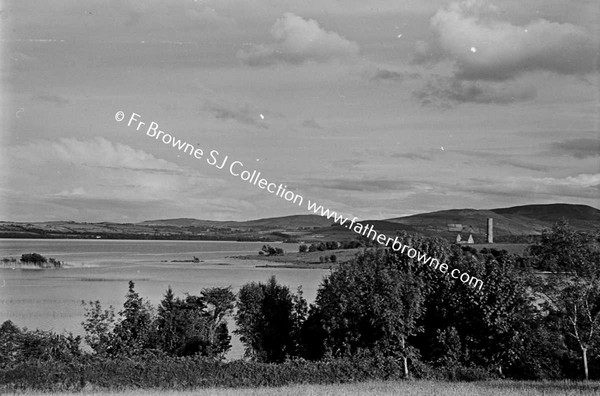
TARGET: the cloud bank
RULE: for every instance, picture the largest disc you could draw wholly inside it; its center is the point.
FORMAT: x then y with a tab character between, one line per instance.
486	48
96	152
486	51
298	40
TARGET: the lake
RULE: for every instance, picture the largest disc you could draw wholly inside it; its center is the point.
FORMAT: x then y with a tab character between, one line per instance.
50	299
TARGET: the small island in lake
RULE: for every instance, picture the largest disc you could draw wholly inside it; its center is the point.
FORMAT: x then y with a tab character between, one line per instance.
32	259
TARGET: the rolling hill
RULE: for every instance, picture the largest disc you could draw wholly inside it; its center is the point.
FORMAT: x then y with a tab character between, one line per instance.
509	222
513	221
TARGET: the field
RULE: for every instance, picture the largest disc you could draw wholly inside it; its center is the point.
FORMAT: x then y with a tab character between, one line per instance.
294	259
413	388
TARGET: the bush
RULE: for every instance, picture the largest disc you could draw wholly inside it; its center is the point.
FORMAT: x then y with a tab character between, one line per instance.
33	258
161	372
468	374
271	251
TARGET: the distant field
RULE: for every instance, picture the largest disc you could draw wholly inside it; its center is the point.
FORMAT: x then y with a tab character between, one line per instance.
412	388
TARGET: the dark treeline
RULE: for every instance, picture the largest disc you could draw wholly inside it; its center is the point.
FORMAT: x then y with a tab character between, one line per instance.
382	315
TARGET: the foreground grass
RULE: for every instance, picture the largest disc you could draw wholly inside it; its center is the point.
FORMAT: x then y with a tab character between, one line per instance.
372	388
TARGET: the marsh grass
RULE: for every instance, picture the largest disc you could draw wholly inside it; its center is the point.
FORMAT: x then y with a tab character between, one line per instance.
369	388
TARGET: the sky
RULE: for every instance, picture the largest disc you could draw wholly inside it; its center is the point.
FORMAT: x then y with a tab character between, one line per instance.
375	109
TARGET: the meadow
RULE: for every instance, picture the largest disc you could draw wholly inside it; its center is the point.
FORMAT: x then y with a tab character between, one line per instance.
371	388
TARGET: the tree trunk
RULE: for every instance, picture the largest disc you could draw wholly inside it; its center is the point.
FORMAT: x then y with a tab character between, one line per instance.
404	358
585	365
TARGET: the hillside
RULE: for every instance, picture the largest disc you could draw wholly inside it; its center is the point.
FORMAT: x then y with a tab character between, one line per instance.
513	221
509	223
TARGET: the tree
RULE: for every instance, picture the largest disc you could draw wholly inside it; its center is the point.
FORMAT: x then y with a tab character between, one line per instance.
269	319
466	326
573	289
33	258
21	345
98	326
579	304
371	303
302	248
563	250
195	324
271	251
133	331
219	304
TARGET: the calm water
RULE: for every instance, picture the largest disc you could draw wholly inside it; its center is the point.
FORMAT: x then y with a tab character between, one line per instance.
100	269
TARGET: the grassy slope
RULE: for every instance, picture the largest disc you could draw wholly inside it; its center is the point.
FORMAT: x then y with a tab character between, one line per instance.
412	388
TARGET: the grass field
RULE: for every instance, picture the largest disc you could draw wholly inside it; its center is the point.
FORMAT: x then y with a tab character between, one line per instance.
412	388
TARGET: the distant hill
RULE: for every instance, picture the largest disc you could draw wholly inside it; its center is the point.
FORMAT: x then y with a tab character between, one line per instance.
579	216
509	223
285	222
513	221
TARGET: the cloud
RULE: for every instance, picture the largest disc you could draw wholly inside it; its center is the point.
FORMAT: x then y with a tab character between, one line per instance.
369	185
311	124
578	186
297	41
241	114
384	74
412	156
444	91
58	100
578	148
488	53
484	47
97	152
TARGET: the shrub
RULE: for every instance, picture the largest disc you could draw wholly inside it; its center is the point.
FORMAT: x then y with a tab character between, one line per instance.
33	258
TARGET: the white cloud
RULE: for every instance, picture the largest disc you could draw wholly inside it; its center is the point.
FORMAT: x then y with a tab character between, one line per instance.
299	40
96	152
504	50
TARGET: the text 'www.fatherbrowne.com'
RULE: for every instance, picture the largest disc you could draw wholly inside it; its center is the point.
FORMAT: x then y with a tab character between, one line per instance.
252	176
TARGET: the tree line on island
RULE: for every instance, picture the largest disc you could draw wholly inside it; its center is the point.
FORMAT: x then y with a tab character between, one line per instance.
34	259
380	316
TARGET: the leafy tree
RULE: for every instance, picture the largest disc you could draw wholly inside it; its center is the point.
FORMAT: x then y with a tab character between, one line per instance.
21	345
563	250
98	326
573	289
219	304
466	326
373	303
269	319
271	251
579	305
195	324
302	248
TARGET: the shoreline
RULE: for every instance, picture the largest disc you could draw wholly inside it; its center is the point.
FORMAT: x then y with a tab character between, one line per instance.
307	260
